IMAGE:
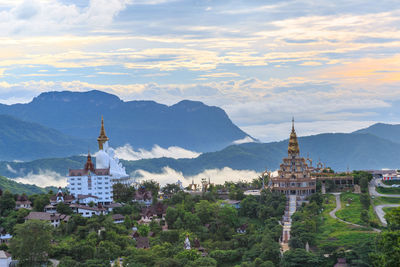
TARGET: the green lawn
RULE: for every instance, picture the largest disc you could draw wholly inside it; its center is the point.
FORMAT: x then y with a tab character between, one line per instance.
386	200
388	209
388	190
352	212
333	233
391	182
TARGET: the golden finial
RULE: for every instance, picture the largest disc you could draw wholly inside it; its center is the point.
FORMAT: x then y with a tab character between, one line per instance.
293	124
293	148
102	137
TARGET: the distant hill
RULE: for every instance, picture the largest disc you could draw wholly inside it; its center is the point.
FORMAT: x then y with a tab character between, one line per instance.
387	131
339	151
19	188
21	140
188	124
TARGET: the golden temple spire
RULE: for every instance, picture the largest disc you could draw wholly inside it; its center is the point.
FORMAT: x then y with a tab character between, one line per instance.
293	149
102	137
292	124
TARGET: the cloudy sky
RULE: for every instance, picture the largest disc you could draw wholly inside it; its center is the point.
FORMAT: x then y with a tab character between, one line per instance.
334	65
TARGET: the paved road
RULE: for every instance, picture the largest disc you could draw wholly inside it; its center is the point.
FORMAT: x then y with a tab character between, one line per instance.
381	214
372	190
338	207
379	209
378	182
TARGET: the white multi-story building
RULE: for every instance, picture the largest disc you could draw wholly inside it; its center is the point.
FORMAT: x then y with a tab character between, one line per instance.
98	182
91	182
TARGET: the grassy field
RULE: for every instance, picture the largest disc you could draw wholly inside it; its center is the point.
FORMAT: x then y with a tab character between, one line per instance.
388	190
386	210
386	200
351	212
391	182
333	234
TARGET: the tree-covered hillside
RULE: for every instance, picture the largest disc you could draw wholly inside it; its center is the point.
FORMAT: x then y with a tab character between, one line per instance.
21	140
19	188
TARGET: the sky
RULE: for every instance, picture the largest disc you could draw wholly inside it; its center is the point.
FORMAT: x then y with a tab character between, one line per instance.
333	65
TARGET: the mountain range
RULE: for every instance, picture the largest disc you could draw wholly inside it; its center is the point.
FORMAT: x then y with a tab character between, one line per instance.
142	124
51	131
339	151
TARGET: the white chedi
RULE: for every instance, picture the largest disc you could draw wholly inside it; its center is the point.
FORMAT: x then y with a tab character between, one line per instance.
187	243
106	158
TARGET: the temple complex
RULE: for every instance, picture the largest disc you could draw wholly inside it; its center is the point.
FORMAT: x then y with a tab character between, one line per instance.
294	175
97	180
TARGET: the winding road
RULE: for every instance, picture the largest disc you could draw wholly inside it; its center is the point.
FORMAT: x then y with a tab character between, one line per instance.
381	214
338	207
379	208
373	192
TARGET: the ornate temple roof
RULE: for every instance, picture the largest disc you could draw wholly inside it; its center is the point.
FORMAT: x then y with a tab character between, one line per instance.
293	148
89	167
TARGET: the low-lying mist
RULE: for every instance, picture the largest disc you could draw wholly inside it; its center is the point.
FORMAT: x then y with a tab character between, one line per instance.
168	175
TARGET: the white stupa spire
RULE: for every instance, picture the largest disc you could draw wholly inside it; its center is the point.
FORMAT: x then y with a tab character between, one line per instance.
105	157
186	245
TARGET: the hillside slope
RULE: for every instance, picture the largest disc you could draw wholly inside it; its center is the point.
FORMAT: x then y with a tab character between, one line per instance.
21	140
390	132
19	188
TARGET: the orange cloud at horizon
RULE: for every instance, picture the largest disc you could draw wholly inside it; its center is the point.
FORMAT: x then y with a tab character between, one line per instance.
366	71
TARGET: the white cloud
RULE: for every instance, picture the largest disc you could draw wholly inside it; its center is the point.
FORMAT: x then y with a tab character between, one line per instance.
126	152
217	176
9	168
43	178
52	16
246	139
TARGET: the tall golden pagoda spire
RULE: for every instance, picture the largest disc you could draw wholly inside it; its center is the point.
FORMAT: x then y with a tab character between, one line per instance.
102	137
293	149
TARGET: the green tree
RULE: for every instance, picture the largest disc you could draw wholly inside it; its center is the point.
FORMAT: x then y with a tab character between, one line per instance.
204	262
107	250
358	175
7	203
364	184
364	216
187	255
171	236
228	216
64	209
191	221
152	186
171	216
68	262
299	257
40	202
388	243
393	219
31	243
143	230
365	200
170	189
123	193
205	211
388	249
248	207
